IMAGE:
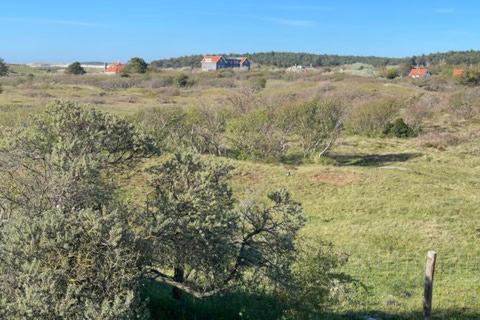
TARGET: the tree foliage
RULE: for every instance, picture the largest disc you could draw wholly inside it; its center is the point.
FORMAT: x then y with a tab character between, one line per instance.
66	249
80	265
75	69
207	244
63	153
282	59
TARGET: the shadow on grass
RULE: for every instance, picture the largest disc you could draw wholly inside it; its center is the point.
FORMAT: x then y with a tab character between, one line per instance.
237	305
371	160
241	305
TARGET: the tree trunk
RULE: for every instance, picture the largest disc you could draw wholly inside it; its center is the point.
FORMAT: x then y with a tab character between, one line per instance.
178	276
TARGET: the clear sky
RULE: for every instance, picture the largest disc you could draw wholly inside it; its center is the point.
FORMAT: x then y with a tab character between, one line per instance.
107	30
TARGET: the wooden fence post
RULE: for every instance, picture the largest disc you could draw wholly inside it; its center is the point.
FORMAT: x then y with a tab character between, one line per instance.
428	291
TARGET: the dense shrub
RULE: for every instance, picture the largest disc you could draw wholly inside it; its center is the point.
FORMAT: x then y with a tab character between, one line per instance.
67	250
75	69
183	81
391	73
70	265
136	65
371	118
399	129
470	77
3	68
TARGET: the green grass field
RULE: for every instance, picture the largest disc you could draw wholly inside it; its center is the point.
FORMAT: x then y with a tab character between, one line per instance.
383	202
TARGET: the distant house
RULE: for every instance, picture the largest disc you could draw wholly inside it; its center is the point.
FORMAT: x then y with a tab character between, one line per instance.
419	72
114	68
457	72
220	62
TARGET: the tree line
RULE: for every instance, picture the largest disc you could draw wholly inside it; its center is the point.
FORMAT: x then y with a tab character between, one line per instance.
287	59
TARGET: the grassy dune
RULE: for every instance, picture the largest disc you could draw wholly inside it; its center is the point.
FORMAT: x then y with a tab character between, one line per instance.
385	205
383	202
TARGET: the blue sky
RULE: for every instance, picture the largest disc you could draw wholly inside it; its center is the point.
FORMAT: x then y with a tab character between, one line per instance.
107	30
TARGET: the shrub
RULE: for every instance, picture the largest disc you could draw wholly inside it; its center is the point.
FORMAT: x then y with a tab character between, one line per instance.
371	118
399	129
205	241
183	81
136	65
257	83
167	125
256	135
69	265
67	251
471	77
391	73
317	125
75	69
3	68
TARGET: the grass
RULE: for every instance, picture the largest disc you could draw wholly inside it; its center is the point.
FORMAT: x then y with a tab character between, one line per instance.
383	202
385	207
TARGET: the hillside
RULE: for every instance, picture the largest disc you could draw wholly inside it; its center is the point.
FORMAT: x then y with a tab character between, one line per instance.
381	201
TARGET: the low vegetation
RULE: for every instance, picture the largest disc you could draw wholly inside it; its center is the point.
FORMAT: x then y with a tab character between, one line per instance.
106	210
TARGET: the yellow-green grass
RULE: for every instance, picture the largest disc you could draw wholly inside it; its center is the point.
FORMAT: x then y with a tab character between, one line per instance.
386	204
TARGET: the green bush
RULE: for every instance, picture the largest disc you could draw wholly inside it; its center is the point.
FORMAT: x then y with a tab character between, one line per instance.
399	129
371	118
136	65
75	69
391	73
183	81
69	265
67	250
3	68
471	77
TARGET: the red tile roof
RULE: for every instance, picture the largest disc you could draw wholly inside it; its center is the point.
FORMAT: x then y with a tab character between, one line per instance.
115	68
212	58
418	72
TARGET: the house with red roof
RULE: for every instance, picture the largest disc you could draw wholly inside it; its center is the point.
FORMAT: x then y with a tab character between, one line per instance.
210	63
419	72
114	68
